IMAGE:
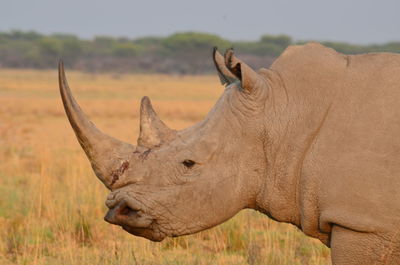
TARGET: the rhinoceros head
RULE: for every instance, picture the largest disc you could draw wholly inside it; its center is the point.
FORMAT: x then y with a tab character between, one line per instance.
180	182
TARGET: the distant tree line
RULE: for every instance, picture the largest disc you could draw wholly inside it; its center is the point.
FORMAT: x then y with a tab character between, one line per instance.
181	53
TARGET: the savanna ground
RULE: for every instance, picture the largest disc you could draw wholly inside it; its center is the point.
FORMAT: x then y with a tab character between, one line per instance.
52	205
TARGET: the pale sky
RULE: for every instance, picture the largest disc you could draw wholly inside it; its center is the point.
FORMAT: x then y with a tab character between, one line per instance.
355	21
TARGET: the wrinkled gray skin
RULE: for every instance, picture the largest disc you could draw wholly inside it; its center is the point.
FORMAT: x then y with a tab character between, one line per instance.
313	141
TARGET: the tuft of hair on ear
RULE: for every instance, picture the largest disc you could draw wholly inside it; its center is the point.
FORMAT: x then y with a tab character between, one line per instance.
237	71
228	57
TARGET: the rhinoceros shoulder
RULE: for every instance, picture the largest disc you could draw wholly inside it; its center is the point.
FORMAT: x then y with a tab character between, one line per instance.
312	54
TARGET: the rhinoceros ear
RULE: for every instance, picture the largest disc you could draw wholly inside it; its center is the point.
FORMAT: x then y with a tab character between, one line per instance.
225	76
153	132
247	76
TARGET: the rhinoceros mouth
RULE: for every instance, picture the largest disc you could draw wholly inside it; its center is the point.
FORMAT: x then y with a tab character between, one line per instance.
123	214
133	216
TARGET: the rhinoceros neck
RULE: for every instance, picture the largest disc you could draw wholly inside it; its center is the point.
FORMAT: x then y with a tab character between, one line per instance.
295	114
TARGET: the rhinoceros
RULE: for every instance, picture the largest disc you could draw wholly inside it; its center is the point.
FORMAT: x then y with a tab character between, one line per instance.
313	141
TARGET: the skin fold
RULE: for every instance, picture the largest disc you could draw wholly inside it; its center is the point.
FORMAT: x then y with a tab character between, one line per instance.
314	141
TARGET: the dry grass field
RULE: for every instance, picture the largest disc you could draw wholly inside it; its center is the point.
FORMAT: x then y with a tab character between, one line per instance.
52	205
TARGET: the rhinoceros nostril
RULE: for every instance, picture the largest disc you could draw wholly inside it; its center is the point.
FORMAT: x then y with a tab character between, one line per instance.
127	211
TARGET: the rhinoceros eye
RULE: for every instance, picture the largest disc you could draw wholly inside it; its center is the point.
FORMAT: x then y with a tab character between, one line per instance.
188	163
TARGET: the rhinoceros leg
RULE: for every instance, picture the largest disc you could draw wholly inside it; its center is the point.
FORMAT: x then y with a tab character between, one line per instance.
354	248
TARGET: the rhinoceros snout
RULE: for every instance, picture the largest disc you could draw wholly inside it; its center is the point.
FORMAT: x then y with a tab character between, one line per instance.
122	214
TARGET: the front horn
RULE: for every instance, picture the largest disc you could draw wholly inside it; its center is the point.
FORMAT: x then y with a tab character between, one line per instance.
106	154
